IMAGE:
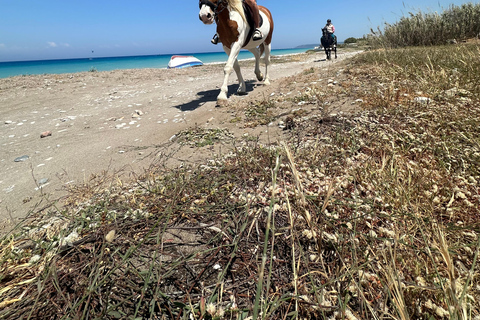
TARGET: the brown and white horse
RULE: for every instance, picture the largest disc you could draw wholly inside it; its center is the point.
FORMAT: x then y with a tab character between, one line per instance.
234	33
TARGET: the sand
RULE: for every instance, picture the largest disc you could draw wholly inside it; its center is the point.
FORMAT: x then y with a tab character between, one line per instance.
117	120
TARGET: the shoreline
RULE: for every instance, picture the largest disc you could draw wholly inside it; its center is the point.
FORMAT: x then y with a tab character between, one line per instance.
62	66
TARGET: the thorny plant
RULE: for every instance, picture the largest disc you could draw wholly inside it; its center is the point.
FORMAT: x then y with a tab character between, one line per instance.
372	215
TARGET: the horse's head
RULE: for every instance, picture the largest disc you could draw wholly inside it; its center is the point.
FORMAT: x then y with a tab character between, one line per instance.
207	10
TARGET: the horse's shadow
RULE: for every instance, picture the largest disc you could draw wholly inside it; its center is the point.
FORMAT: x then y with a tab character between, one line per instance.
211	95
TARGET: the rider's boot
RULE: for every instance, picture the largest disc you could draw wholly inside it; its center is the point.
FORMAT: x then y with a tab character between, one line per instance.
257	35
214	39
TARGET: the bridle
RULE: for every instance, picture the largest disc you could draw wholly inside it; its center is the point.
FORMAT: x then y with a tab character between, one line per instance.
212	6
209	3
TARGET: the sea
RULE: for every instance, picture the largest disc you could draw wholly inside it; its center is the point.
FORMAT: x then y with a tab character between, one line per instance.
17	68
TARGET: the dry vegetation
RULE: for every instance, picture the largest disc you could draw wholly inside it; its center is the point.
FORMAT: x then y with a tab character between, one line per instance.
368	215
454	24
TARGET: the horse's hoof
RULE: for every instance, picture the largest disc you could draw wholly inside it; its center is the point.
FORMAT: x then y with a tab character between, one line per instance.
260	77
267	82
222	96
242	93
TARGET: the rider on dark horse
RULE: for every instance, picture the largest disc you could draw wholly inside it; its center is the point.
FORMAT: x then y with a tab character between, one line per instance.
257	34
330	29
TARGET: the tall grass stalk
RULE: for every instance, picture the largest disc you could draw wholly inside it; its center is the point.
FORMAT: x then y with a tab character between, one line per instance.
259	295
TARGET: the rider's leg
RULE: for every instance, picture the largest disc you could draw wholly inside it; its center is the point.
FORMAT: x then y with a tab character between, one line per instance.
215	38
257	34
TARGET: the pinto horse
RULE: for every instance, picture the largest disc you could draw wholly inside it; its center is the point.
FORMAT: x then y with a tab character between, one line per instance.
235	33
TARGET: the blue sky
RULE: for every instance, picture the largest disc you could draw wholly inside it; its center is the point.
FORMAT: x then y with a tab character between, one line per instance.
57	29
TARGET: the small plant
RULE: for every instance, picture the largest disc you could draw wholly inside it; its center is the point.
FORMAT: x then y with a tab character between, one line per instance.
200	137
260	113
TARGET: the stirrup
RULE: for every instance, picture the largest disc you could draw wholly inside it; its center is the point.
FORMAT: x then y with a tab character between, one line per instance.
257	35
214	39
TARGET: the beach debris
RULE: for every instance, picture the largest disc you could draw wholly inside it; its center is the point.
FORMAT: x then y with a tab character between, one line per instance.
137	113
423	100
22	158
42	181
8	122
357	101
289	123
70	239
45	134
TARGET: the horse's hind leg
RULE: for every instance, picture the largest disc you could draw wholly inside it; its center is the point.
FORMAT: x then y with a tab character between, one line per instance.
268	49
256	54
242	87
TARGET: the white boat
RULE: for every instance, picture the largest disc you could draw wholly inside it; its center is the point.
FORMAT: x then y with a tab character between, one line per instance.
183	62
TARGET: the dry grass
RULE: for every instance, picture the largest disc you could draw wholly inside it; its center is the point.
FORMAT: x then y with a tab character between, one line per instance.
372	215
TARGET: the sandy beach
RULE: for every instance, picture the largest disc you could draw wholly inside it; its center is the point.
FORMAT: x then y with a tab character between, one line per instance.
59	130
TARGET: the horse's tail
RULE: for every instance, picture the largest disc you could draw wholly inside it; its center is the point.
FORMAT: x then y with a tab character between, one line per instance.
237	5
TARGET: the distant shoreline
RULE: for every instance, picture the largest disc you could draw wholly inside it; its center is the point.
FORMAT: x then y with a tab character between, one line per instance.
62	66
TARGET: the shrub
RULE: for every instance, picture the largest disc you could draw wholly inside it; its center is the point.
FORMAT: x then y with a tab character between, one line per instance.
350	40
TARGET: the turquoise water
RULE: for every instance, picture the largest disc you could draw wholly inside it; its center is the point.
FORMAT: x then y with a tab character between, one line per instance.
10	69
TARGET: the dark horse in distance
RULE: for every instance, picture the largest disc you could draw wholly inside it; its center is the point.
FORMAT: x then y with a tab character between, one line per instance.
329	43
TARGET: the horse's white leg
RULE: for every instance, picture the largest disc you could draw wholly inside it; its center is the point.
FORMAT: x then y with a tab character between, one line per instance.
242	87
256	54
229	67
268	49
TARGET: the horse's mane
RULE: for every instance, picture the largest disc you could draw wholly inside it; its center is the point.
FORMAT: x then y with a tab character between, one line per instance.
237	5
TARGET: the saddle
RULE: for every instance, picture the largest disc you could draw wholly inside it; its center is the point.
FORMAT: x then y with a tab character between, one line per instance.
249	16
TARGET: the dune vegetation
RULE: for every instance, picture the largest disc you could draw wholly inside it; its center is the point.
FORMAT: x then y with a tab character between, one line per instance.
454	24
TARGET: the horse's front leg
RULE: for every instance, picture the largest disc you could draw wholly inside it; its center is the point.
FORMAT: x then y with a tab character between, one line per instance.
231	64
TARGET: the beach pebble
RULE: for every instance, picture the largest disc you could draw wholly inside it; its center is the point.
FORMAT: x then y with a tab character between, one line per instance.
8	122
34	259
42	181
110	236
22	158
45	134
